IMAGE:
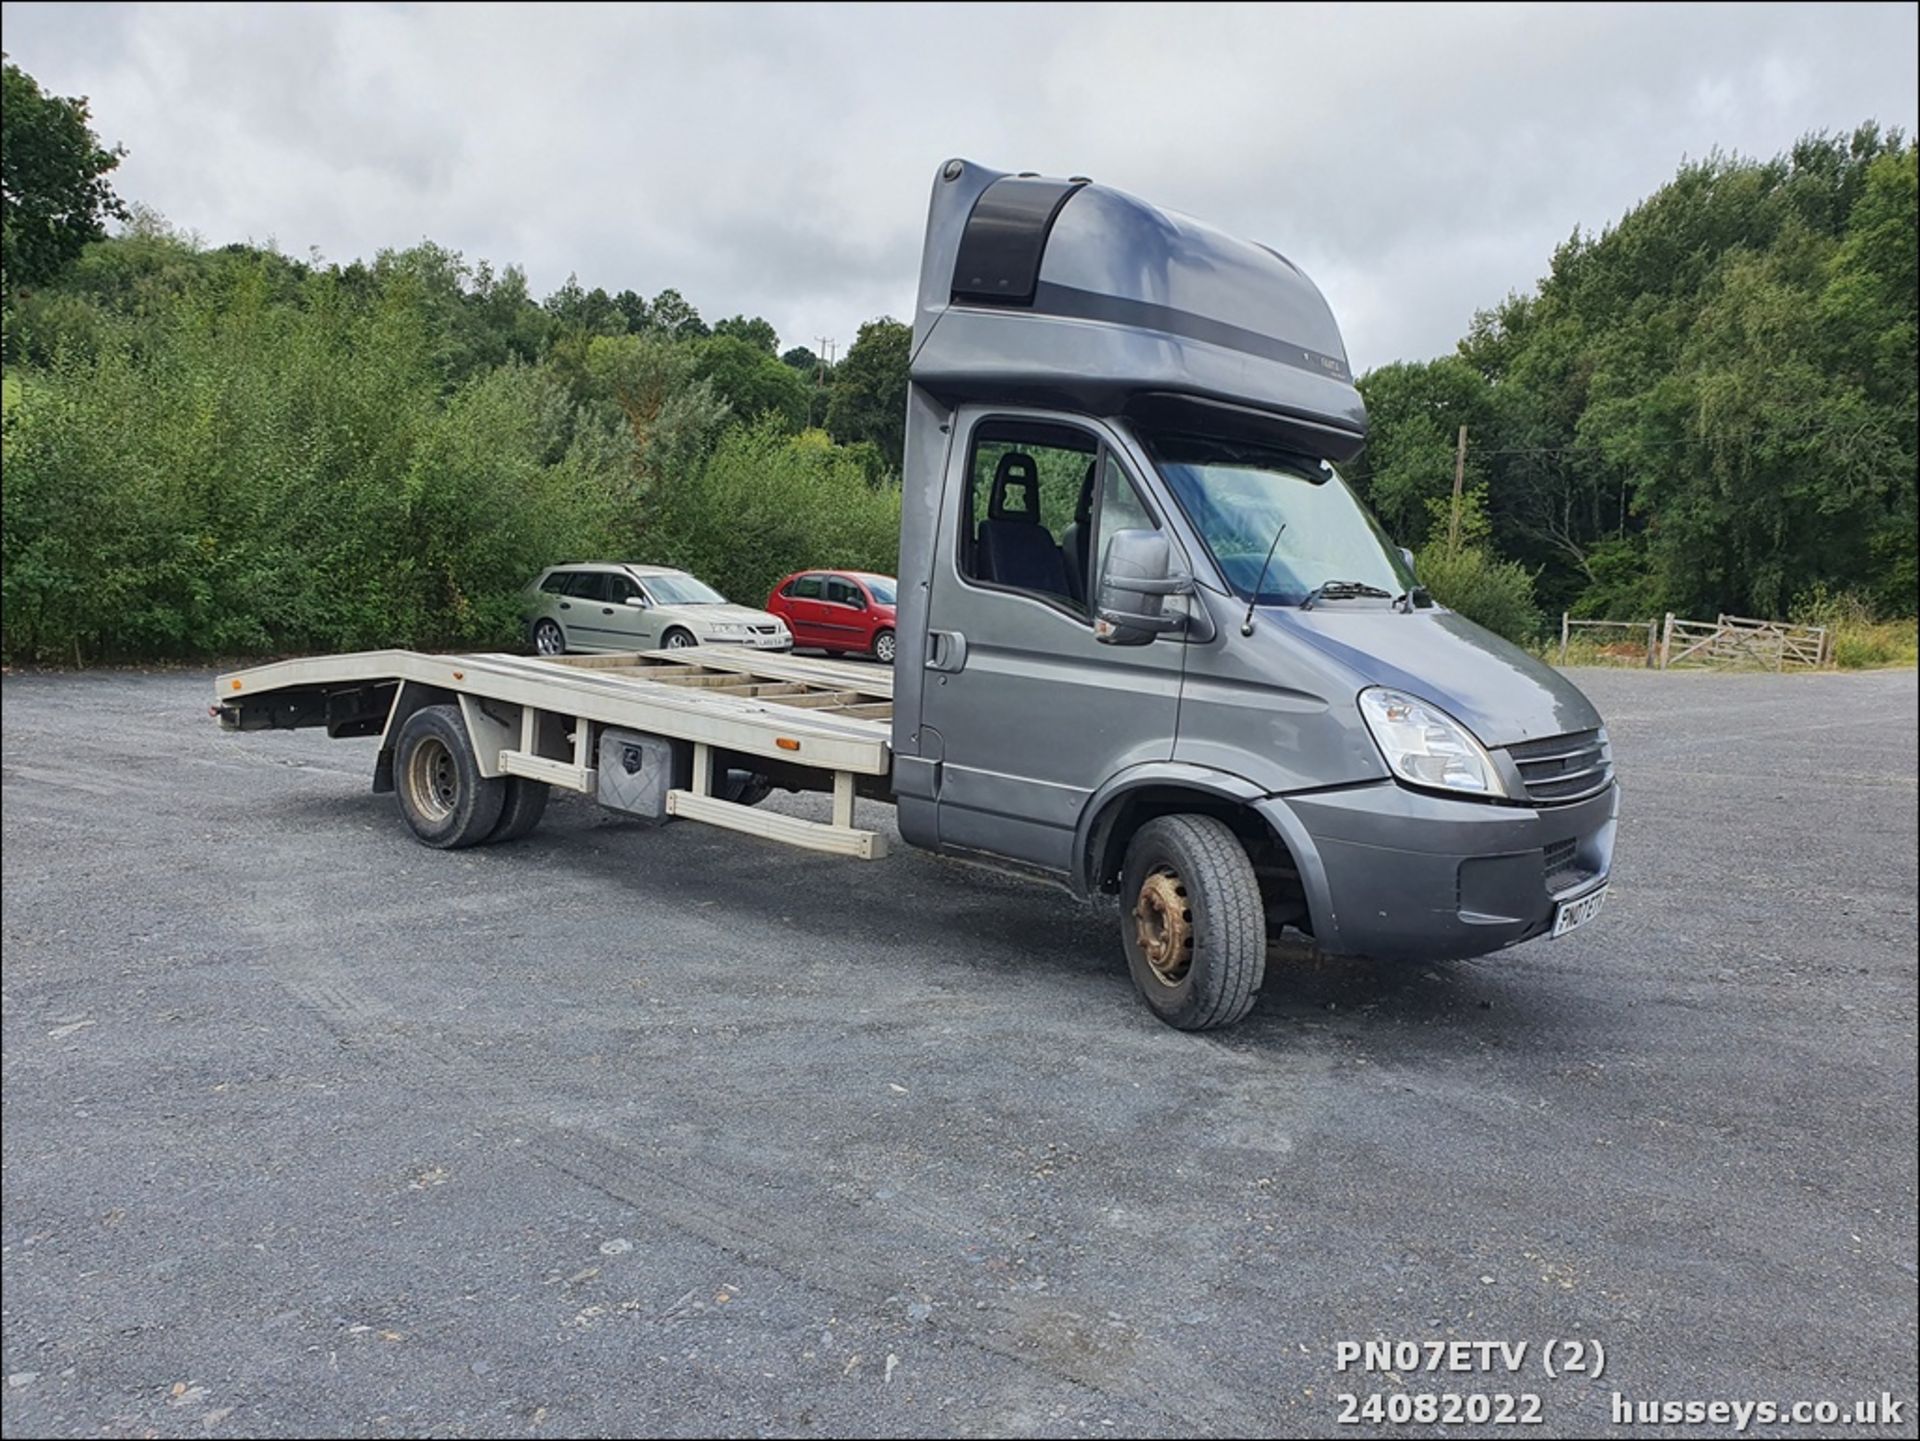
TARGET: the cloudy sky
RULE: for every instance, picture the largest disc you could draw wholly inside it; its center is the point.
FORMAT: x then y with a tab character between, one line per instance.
1418	162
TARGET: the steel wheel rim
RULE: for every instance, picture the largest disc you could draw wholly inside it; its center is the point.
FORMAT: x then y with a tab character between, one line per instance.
1163	925
883	648
433	780
678	641
546	638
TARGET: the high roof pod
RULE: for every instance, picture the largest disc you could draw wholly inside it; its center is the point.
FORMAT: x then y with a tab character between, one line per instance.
1063	292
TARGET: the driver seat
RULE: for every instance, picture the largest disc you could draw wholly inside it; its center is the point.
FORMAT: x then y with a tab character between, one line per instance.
1014	548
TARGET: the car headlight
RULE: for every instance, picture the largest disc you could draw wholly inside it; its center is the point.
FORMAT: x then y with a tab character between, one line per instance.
728	627
1426	747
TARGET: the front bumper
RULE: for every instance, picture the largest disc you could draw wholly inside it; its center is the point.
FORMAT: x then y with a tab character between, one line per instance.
1395	873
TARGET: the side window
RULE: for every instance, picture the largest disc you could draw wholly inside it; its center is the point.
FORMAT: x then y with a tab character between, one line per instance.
1027	507
1120	509
808	587
843	592
584	585
556	584
787	589
618	588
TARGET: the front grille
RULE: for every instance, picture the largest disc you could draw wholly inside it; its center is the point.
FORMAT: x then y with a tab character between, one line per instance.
766	629
1565	768
1564	869
1560	855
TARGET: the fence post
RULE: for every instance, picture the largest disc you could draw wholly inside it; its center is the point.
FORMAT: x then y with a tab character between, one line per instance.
1564	628
1653	641
1666	641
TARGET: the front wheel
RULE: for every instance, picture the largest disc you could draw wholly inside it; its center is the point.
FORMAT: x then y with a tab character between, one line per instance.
883	645
677	639
1193	927
548	638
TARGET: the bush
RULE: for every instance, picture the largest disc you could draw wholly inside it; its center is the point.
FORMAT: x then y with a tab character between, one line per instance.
1497	594
767	503
246	476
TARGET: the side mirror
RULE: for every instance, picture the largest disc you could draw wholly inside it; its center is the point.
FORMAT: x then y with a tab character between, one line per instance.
1135	580
638	602
1407	556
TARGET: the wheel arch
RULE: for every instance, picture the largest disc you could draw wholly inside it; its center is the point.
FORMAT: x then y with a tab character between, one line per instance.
1135	796
412	695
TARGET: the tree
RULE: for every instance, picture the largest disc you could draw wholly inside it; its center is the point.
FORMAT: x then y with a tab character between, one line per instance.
869	399
752	382
801	359
756	332
54	195
675	317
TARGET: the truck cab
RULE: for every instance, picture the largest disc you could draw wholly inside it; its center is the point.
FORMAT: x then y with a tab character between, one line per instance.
1151	644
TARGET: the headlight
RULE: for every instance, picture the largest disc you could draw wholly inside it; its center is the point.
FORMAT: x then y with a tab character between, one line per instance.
1426	747
728	627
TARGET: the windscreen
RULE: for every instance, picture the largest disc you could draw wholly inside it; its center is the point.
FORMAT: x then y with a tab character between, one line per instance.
681	590
1238	497
881	588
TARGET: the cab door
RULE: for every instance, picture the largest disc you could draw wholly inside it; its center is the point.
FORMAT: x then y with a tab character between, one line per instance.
628	626
1029	713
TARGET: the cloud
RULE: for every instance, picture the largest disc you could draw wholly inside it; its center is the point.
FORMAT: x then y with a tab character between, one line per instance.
1419	162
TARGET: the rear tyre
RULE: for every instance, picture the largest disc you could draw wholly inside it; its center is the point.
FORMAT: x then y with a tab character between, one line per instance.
677	639
526	802
1192	924
447	802
883	644
548	638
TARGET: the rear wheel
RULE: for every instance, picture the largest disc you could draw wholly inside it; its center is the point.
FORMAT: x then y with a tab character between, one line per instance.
548	638
1193	928
447	802
677	639
883	644
525	803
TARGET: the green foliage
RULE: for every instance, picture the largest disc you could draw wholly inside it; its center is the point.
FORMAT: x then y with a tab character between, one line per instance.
1495	593
869	399
215	452
54	193
1709	407
758	333
752	382
767	503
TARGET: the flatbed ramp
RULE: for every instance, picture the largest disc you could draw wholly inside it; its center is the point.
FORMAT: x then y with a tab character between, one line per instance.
536	717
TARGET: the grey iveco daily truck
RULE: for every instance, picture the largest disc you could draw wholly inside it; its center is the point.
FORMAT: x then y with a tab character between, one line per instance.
1150	644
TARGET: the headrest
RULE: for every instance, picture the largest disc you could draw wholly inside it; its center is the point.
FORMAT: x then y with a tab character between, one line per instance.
1016	468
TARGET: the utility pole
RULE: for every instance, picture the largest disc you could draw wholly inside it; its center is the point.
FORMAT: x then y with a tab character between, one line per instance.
1459	477
824	362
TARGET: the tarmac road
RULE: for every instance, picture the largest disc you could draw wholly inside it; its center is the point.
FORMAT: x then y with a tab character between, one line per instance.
311	1129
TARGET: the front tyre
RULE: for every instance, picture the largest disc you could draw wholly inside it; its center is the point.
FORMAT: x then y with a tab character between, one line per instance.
548	638
677	639
446	801
1192	924
883	645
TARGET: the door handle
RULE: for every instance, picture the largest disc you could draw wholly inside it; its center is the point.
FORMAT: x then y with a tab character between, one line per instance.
565	605
606	610
946	650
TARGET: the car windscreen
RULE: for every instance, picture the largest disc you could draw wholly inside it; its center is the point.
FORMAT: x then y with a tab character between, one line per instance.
681	589
880	587
1238	497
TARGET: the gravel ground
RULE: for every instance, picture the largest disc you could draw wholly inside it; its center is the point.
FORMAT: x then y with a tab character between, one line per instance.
312	1130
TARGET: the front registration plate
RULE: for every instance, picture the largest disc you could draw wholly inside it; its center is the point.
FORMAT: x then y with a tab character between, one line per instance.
1570	915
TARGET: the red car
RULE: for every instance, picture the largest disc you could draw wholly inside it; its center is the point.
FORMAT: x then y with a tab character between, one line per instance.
838	610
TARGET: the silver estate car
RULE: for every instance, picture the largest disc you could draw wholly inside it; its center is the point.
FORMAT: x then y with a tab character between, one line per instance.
611	606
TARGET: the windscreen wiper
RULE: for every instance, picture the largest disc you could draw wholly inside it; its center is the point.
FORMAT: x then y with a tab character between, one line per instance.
1342	590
